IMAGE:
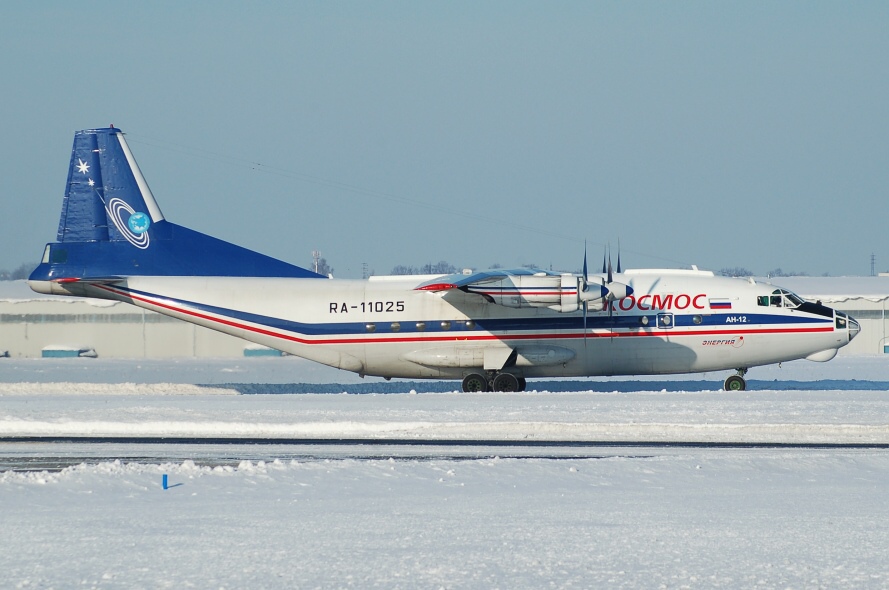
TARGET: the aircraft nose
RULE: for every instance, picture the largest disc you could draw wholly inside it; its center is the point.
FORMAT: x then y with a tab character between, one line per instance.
849	323
854	328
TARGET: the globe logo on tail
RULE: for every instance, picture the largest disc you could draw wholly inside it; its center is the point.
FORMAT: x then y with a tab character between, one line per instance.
138	223
135	228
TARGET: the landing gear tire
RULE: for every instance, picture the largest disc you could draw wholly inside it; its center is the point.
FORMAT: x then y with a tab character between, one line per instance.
506	382
735	383
522	384
475	382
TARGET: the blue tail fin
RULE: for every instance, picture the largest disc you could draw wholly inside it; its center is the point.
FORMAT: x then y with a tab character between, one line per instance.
111	226
107	199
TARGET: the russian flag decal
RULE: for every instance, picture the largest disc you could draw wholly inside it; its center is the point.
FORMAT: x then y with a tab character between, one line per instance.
720	304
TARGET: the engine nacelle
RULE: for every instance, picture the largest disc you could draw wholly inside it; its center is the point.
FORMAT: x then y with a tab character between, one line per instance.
538	290
569	301
562	293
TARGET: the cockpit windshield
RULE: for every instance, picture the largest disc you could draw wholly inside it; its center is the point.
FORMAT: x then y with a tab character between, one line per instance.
794	299
780	298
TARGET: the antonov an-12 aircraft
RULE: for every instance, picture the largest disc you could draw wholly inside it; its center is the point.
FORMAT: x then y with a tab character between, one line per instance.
493	329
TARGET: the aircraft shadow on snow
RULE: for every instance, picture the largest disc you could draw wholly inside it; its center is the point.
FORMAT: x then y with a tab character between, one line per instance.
624	386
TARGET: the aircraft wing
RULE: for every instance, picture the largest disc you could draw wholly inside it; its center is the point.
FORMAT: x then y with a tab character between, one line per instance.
458	281
524	287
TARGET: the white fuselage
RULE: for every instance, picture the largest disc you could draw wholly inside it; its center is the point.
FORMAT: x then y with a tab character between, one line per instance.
674	322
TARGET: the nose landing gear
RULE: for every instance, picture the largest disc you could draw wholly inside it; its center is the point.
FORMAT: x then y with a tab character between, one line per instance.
493	381
736	382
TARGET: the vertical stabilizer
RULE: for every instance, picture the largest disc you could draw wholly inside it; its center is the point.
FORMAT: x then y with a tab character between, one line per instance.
107	197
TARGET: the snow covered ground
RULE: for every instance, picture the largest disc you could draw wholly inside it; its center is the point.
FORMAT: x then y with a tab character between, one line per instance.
271	516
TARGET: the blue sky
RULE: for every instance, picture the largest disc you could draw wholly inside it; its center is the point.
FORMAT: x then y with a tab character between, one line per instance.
717	134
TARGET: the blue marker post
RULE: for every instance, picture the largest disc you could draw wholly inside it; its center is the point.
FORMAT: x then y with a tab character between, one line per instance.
165	481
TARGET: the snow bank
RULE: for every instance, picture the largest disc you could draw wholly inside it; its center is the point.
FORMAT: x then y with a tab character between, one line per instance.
714	519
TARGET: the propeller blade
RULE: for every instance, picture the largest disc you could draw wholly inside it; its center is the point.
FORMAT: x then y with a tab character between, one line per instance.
609	300
618	257
584	264
585	308
584	287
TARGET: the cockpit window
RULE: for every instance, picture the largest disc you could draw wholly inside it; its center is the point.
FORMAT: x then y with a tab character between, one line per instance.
779	298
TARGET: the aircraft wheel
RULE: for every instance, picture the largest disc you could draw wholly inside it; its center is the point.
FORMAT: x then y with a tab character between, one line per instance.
506	382
735	383
475	382
522	384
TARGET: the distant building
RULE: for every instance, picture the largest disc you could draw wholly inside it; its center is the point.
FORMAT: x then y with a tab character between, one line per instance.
34	325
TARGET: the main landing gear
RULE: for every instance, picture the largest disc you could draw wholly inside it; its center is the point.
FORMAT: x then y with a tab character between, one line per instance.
493	381
736	382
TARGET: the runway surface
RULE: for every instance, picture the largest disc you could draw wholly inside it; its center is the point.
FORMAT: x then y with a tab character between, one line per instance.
218	412
55	454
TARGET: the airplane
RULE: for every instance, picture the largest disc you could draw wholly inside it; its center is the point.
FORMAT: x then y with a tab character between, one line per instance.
492	329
